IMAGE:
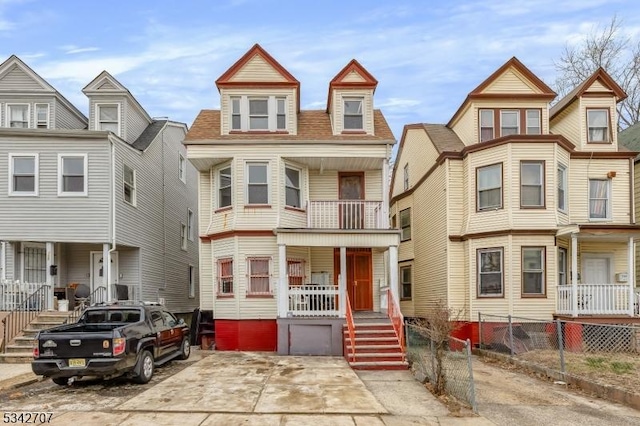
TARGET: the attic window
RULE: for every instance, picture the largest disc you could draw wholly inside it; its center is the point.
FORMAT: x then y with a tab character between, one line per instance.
598	122
108	118
267	113
42	116
18	115
353	119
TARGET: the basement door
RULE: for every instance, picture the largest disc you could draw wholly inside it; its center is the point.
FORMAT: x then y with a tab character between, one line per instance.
359	277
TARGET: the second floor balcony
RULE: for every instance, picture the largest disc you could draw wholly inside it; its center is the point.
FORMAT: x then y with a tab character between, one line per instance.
346	214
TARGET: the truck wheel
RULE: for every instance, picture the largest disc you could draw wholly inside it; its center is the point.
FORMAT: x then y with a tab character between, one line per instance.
145	368
62	381
185	349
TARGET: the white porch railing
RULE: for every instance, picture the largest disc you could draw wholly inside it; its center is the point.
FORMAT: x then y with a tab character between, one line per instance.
14	294
595	299
311	300
345	214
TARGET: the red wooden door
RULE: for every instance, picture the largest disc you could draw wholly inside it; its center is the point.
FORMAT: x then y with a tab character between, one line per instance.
359	277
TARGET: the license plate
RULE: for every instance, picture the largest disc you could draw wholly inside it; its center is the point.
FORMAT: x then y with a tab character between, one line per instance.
77	362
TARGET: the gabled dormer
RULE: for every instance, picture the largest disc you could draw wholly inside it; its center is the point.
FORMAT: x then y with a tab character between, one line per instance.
258	95
28	101
350	100
587	116
510	101
113	108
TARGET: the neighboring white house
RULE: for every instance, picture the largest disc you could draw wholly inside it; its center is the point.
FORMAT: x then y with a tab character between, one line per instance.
79	193
293	208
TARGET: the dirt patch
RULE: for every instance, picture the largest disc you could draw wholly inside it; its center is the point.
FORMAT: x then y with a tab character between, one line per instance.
621	370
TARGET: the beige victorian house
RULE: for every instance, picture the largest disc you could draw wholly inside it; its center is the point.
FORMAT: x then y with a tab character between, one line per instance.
515	207
293	208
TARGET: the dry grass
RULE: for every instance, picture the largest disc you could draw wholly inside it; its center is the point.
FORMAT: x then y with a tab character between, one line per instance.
615	369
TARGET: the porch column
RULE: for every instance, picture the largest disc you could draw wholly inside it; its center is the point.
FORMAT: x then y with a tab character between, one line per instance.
574	275
385	194
393	273
631	253
283	287
342	283
49	256
3	260
106	269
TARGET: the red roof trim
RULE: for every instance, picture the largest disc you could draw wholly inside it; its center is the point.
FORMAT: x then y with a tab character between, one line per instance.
337	83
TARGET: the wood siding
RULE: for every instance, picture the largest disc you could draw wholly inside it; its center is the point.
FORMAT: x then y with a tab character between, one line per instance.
567	124
257	69
16	80
61	117
419	153
511	82
49	217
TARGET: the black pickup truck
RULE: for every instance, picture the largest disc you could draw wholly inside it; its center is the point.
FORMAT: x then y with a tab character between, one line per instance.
110	341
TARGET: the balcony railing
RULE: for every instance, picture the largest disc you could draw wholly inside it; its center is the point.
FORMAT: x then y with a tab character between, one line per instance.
312	300
597	299
345	214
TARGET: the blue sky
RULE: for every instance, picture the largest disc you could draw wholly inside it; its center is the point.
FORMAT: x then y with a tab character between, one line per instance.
426	55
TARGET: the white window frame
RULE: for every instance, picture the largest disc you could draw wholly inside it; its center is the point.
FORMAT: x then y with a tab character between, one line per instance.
47	120
491	114
281	100
61	192
608	205
269	261
243	112
192	281
518	124
299	188
562	171
182	168
479	272
248	183
538	125
562	265
8	114
36	166
190	224
132	186
98	122
345	115
233	113
267	115
607	137
183	236
220	187
542	271
479	189
541	186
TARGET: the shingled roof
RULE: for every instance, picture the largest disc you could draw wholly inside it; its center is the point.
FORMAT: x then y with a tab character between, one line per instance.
148	135
443	138
313	125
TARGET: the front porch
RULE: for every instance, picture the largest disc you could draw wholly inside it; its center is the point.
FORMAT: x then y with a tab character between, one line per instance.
596	271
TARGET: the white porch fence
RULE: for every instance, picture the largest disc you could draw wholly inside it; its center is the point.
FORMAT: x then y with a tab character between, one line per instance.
14	294
597	299
345	214
311	300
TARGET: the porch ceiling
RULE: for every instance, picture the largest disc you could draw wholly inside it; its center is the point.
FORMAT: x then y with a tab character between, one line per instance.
601	232
337	238
339	163
204	164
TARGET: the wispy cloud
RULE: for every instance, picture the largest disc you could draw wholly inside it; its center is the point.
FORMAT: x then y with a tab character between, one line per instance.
72	50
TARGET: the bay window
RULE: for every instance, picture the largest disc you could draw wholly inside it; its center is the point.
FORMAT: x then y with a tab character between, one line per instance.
489	184
489	267
259	275
533	271
257	183
532	184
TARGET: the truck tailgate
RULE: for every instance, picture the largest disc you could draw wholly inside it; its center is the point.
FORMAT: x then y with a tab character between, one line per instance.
80	344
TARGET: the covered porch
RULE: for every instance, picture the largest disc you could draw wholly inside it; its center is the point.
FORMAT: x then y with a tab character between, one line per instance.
596	270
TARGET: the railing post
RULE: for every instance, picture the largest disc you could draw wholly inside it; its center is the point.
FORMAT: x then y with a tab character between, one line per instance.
472	388
510	335
560	345
480	330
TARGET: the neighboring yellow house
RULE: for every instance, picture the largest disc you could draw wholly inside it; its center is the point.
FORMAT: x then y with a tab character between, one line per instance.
517	208
293	208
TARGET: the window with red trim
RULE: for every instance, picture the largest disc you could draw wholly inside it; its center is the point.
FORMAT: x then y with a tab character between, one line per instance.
225	276
259	276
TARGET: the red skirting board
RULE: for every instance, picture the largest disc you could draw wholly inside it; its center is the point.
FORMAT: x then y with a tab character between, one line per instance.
246	335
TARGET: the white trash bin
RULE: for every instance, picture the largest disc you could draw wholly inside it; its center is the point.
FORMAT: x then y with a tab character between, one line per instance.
63	305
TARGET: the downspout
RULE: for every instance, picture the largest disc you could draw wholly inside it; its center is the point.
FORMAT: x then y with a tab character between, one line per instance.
113	216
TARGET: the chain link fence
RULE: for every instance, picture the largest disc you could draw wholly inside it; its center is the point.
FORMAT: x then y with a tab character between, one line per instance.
603	353
456	363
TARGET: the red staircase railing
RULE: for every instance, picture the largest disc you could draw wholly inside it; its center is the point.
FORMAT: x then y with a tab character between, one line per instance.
352	330
393	311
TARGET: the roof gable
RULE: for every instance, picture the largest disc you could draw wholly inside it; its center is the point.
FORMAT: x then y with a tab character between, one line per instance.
104	82
511	79
256	66
353	75
15	74
600	82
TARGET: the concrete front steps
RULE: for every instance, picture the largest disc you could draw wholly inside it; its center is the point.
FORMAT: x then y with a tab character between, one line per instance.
20	350
376	347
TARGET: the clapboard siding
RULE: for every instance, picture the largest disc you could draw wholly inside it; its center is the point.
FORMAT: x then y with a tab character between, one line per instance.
456	198
511	82
406	249
129	269
337	107
207	283
418	153
78	261
257	69
225	308
567	124
458	290
61	117
17	79
135	122
465	128
252	307
49	217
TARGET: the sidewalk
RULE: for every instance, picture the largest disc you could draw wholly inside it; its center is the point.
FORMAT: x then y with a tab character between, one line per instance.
15	375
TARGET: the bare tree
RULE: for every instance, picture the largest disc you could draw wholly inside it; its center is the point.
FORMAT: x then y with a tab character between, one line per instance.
607	47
